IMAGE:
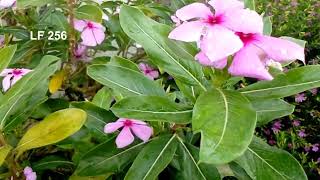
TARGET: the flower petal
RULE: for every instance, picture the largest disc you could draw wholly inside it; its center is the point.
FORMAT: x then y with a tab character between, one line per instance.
142	67
112	127
32	176
5	72
204	60
247	21
92	37
280	49
194	10
6	83
188	31
247	63
221	6
219	43
153	74
27	170
124	138
79	25
15	79
143	132
7	3
138	122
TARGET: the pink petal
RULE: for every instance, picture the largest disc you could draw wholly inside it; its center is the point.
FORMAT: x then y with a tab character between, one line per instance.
6	3
27	170
221	6
247	63
98	26
32	176
5	72
279	49
246	21
142	66
79	25
153	74
188	31
92	37
138	122
204	60
143	132
220	43
124	138
6	83
112	127
25	71
194	10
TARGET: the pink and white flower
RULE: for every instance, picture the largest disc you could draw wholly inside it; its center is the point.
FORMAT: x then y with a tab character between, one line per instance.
92	33
7	3
29	174
11	76
129	126
215	31
148	71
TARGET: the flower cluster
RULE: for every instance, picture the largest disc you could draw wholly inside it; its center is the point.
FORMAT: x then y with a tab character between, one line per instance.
29	174
234	31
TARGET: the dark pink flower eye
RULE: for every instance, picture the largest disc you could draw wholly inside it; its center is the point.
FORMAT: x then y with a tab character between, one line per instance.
17	72
127	123
90	25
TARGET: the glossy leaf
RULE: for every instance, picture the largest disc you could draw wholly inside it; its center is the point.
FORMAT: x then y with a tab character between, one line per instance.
152	108
107	158
226	121
263	162
52	162
169	55
153	159
54	128
187	156
26	3
270	109
119	61
6	54
18	93
4	151
293	82
103	98
125	81
89	12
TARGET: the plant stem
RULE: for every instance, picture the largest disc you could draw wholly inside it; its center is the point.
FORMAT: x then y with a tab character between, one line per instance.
72	33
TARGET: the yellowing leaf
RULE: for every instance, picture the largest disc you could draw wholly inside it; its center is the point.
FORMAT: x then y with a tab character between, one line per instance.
54	128
56	82
4	151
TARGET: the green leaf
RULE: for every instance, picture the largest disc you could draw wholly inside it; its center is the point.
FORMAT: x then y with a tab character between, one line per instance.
250	4
6	54
107	158
226	121
187	156
38	3
4	151
52	162
125	81
153	159
54	128
97	119
267	25
263	162
293	82
119	61
18	93
103	98
270	109
168	55
89	12
153	108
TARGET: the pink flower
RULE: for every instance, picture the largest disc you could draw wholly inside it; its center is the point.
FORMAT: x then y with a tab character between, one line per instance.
1	41
300	98
11	76
29	174
80	53
148	71
296	123
315	147
92	34
301	133
139	128
276	127
218	41
7	3
314	91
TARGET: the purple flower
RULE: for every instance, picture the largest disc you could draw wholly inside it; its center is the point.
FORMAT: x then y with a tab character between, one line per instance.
29	174
307	148
314	91
272	142
267	131
301	133
300	98
148	71
92	33
139	128
11	76
318	160
296	123
315	147
276	127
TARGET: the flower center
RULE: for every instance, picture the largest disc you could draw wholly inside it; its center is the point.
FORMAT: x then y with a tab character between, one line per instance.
245	38
90	25
127	123
16	72
212	20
